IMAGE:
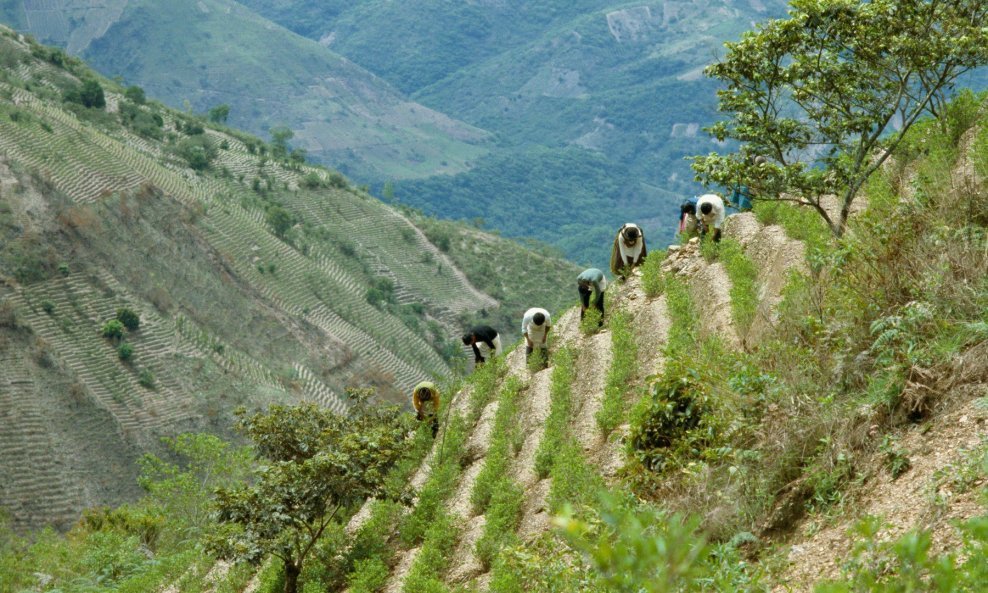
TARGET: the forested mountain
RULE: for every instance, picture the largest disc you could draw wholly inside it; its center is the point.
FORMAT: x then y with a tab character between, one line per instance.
594	104
196	55
245	276
580	110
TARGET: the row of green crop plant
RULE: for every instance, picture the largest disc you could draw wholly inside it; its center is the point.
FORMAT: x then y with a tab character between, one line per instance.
743	275
443	529
375	545
495	493
624	367
561	410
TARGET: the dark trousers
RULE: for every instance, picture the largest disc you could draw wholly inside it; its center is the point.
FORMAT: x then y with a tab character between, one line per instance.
542	355
598	302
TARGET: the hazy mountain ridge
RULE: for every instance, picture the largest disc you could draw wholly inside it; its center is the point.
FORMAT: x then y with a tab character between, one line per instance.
257	280
201	54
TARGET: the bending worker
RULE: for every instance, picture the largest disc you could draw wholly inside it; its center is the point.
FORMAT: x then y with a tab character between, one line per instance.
710	213
425	398
591	280
484	340
629	249
535	327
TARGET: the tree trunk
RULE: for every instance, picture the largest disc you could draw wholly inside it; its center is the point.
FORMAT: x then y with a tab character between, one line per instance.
291	577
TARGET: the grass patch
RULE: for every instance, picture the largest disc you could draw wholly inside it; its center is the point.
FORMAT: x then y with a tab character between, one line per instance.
799	222
574	481
624	366
560	410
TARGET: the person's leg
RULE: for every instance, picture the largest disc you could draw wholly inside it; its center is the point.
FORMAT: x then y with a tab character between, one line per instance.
528	353
584	299
435	426
599	305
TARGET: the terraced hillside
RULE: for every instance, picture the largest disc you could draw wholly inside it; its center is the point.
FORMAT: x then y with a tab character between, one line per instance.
256	279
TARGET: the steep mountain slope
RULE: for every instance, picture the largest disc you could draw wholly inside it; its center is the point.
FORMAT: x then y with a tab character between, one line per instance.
200	54
595	103
256	278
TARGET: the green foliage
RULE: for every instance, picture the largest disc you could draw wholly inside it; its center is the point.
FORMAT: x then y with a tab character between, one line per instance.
591	322
181	490
369	575
125	351
88	94
113	329
501	521
280	220
135	94
560	410
425	575
624	366
499	454
198	151
574	481
129	318
653	281
315	465
895	459
146	379
793	83
909	563
446	468
47	306
142	121
683	330
744	275
637	548
671	416
219	114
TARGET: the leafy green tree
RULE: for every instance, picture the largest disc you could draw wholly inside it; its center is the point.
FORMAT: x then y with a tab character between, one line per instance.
181	488
198	152
280	220
219	114
314	465
817	92
280	136
135	94
89	94
113	329
129	318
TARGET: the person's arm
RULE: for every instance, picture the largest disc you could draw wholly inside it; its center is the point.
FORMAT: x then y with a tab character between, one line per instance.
545	336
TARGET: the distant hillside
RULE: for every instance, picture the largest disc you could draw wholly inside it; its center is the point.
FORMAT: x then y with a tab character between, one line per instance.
595	103
200	54
256	278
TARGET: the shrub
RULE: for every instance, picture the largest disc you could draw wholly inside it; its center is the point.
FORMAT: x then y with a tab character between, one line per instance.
338	181
89	94
125	351
47	306
280	220
312	180
673	411
135	94
129	318
113	329
146	378
197	151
